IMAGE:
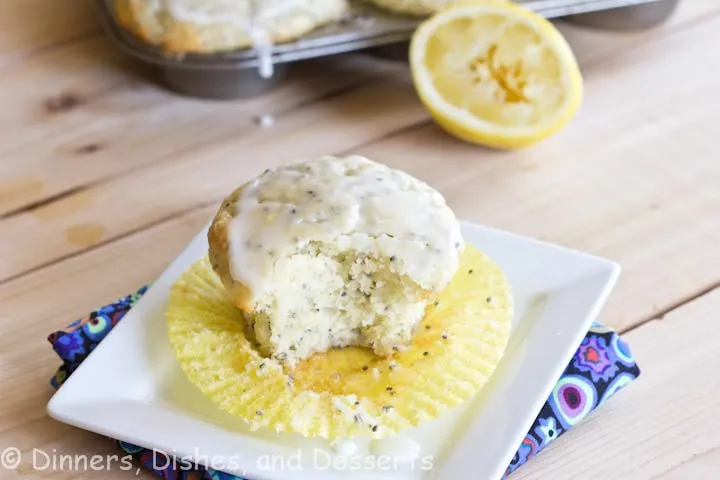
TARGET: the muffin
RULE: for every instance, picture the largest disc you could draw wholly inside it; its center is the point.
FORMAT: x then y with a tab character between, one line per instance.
331	253
346	392
208	26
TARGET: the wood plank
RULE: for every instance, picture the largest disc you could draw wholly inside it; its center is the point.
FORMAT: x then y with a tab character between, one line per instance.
596	45
131	202
663	423
67	128
104	108
52	450
698	467
50	88
69	290
31	26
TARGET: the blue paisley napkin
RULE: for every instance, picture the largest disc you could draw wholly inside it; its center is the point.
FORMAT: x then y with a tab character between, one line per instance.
602	365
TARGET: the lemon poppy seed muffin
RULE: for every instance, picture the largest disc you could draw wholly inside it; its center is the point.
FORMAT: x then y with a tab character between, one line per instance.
334	252
209	26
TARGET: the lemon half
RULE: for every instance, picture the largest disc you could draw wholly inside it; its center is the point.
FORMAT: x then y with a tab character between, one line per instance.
344	392
496	74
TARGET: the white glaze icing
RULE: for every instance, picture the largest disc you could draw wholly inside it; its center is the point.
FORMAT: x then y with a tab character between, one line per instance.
263	48
249	15
352	203
240	13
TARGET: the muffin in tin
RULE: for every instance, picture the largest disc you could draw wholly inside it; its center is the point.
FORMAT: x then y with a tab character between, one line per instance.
213	26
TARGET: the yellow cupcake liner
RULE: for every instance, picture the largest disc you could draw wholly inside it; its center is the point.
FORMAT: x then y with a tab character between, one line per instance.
345	392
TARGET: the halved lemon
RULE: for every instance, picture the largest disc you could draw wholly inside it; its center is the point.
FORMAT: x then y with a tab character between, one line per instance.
496	74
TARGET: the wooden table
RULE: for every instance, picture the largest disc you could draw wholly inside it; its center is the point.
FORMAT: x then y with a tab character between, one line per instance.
104	177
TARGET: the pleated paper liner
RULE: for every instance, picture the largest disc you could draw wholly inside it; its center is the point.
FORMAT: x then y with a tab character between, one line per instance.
345	392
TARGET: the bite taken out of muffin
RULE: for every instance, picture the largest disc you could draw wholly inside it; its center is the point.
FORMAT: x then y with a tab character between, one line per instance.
334	252
338	299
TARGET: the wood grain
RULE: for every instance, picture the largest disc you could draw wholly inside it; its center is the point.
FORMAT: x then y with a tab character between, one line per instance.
53	91
71	288
665	425
698	467
130	202
104	119
28	27
594	46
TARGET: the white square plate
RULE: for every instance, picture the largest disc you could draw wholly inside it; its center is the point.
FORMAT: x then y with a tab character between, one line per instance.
132	389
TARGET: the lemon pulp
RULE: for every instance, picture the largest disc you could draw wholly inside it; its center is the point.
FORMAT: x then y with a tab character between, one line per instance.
496	74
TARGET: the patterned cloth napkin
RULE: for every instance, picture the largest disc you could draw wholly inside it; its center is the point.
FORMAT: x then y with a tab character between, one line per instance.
601	366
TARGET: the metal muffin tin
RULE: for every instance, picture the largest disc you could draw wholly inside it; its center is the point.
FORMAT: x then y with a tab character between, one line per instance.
634	17
235	74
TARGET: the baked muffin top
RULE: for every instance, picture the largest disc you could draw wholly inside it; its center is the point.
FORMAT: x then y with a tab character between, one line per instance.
352	203
208	26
